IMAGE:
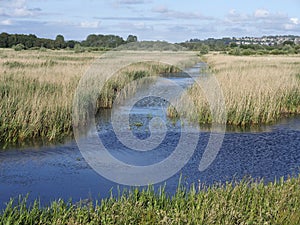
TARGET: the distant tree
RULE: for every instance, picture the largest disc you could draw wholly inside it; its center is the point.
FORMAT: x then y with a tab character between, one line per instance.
12	40
29	41
113	41
91	40
131	38
104	41
288	43
233	45
47	43
59	42
4	40
70	44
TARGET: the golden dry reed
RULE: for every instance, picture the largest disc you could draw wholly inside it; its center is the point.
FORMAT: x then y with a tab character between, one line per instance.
37	89
256	89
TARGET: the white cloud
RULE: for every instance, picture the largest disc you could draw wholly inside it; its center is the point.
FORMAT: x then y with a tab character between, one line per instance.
292	25
21	12
261	13
295	21
236	17
260	22
17	8
6	22
86	24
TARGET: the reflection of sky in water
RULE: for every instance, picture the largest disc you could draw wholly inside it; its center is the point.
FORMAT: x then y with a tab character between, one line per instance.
61	172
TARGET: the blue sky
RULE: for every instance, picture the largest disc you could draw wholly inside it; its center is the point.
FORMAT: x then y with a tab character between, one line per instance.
173	21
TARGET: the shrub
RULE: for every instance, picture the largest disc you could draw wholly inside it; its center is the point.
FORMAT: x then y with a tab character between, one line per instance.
18	47
78	48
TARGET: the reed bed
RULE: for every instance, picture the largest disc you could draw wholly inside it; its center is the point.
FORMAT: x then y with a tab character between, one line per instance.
256	89
133	72
37	89
246	202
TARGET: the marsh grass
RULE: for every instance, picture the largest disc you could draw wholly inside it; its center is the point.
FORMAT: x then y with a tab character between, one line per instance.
246	202
131	73
37	89
257	90
36	93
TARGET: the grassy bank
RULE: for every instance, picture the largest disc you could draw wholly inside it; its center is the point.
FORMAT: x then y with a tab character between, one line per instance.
256	89
37	89
241	203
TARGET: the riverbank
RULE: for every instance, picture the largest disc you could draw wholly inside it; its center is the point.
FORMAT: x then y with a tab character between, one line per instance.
257	89
37	89
246	202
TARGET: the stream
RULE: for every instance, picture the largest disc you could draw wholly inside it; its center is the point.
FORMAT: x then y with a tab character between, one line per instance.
60	172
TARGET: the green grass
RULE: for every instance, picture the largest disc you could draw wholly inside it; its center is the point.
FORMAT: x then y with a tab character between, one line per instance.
246	202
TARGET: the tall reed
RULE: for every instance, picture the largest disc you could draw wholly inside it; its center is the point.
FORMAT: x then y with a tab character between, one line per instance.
257	89
37	88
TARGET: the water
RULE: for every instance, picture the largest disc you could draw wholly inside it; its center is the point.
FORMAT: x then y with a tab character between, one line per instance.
53	172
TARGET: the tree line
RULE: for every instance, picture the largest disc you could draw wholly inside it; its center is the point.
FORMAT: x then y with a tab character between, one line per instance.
100	42
31	41
228	46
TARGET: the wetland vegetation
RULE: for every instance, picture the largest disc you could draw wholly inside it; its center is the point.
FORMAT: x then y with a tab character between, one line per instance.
36	92
257	89
246	202
37	89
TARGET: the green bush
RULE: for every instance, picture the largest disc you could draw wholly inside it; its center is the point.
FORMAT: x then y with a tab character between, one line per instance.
18	47
43	49
235	51
289	49
248	52
78	48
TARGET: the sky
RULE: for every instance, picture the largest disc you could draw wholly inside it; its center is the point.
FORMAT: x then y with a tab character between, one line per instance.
168	20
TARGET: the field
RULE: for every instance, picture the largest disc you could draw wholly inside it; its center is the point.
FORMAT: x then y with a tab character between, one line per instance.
37	89
246	202
256	89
